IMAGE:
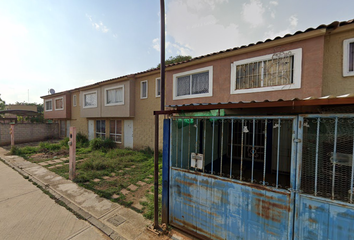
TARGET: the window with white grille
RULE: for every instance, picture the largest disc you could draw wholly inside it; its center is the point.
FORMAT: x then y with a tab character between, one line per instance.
114	96
348	57
193	84
271	72
143	89
48	105
90	99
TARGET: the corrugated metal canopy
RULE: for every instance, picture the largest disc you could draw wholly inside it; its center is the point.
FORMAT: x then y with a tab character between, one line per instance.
309	101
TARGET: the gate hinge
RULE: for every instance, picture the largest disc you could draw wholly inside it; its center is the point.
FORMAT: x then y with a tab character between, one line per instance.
297	140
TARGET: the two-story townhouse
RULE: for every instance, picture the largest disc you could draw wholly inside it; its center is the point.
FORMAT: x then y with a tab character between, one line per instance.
120	109
262	144
57	108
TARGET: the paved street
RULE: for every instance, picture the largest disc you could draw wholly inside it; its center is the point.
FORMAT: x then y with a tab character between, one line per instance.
27	213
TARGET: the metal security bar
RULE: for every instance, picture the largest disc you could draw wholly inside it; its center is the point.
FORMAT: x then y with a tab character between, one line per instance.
249	149
328	157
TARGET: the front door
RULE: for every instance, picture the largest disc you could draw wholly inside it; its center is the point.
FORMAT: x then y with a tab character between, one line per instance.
91	129
128	133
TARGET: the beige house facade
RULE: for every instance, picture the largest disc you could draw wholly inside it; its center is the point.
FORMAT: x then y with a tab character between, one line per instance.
120	109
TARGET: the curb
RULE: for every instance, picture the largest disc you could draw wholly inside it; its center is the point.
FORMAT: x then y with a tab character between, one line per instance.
69	204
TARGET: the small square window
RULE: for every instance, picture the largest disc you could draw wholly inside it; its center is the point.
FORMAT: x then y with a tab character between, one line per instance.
348	57
143	89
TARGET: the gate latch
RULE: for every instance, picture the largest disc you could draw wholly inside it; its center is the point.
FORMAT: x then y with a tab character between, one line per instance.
297	140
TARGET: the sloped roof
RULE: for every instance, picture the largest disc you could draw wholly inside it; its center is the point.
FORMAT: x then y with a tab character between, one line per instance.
330	26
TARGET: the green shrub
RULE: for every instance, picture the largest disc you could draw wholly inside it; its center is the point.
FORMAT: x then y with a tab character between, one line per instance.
64	142
28	150
43	146
96	143
109	143
14	150
81	140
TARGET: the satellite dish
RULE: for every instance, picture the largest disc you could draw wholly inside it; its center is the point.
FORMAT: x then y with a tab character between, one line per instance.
52	91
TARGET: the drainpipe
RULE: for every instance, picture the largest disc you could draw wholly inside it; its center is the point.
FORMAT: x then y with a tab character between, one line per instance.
162	96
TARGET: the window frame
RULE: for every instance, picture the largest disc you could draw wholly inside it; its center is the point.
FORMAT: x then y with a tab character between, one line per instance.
189	73
115	130
55	103
297	70
156	88
100	133
45	105
83	99
111	88
346	56
141	89
74	100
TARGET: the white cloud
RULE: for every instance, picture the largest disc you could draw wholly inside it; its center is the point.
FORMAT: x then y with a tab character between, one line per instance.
293	21
275	3
200	4
98	25
252	13
156	44
272	33
198	32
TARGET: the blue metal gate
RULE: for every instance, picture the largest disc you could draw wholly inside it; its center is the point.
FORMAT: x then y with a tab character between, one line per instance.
263	177
233	177
324	199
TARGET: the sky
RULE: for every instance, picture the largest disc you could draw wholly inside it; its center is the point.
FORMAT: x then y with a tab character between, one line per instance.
61	45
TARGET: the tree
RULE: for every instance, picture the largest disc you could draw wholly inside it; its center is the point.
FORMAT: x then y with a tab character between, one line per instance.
2	104
176	59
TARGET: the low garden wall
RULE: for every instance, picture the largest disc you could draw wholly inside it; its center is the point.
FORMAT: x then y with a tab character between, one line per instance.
29	132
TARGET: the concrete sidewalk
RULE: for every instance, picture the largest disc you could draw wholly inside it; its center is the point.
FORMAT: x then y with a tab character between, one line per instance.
114	220
27	213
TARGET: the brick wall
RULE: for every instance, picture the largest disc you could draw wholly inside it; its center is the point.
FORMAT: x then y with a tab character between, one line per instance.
29	132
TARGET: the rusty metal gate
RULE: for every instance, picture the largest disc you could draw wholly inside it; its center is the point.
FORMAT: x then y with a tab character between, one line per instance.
279	177
233	177
324	201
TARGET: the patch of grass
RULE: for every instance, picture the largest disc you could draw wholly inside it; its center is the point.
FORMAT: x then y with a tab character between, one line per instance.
123	166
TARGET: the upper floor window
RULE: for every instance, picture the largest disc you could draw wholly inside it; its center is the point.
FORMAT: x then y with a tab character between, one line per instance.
158	87
90	99
143	89
48	105
271	72
59	104
114	96
348	57
193	84
74	101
